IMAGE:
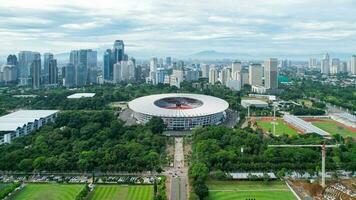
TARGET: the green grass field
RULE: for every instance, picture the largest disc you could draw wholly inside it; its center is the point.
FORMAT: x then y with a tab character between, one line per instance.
281	127
333	128
122	192
236	190
49	192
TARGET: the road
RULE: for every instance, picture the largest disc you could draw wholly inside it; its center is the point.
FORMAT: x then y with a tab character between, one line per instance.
178	173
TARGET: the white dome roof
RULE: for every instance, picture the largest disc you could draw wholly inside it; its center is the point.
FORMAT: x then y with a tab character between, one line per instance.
207	105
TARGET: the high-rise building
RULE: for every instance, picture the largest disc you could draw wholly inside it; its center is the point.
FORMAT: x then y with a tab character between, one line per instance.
335	66
52	72
325	64
271	73
118	51
108	65
244	77
213	75
24	65
85	64
168	61
69	75
160	75
47	57
255	74
35	72
236	67
9	73
12	60
153	64
353	65
312	63
117	72
225	75
205	71
131	65
191	75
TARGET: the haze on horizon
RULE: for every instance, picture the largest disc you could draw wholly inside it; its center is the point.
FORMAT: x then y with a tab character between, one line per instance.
178	28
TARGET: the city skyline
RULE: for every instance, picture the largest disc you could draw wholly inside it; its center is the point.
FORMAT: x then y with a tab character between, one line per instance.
156	28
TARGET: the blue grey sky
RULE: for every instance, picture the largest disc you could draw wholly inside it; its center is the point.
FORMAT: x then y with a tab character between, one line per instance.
182	27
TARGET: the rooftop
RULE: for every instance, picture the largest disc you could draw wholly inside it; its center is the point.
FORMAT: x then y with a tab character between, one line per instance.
17	119
80	95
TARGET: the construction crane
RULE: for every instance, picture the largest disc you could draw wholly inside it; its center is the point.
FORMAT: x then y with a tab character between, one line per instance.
323	155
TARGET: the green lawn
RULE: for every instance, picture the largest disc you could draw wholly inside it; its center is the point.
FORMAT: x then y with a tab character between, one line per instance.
49	192
333	128
281	127
122	192
235	190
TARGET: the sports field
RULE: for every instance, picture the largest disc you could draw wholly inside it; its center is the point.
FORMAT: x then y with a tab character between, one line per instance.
333	128
236	190
122	192
281	127
49	192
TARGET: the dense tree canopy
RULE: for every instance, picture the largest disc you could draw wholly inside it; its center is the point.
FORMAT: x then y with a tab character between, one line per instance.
86	141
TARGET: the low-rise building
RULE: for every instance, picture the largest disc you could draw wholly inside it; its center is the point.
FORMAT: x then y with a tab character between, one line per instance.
23	122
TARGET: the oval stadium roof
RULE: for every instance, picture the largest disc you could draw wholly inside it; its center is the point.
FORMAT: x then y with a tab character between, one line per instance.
210	105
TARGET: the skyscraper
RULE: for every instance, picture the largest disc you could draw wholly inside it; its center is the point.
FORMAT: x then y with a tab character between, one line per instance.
255	74
225	75
236	67
35	72
111	57
117	73
69	75
325	64
353	64
213	75
335	66
47	57
85	64
271	73
118	51
52	72
108	65
312	63
12	60
168	61
24	65
205	71
131	64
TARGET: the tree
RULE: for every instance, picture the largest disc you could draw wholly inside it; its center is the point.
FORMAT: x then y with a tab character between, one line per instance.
156	125
201	189
39	163
26	165
199	171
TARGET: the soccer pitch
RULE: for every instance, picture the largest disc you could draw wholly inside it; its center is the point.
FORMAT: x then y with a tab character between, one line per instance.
281	127
49	192
235	190
122	192
334	128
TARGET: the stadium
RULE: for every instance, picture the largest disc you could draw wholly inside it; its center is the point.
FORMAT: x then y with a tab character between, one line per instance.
180	111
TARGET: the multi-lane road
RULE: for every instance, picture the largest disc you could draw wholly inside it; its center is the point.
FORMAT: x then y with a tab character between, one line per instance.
178	173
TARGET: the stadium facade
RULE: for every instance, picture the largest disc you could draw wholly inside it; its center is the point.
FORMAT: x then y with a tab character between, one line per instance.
180	111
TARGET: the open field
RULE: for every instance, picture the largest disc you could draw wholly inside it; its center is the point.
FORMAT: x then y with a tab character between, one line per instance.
281	126
231	190
122	192
333	127
49	192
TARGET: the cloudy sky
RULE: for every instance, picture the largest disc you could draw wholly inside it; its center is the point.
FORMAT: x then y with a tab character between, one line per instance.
180	27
